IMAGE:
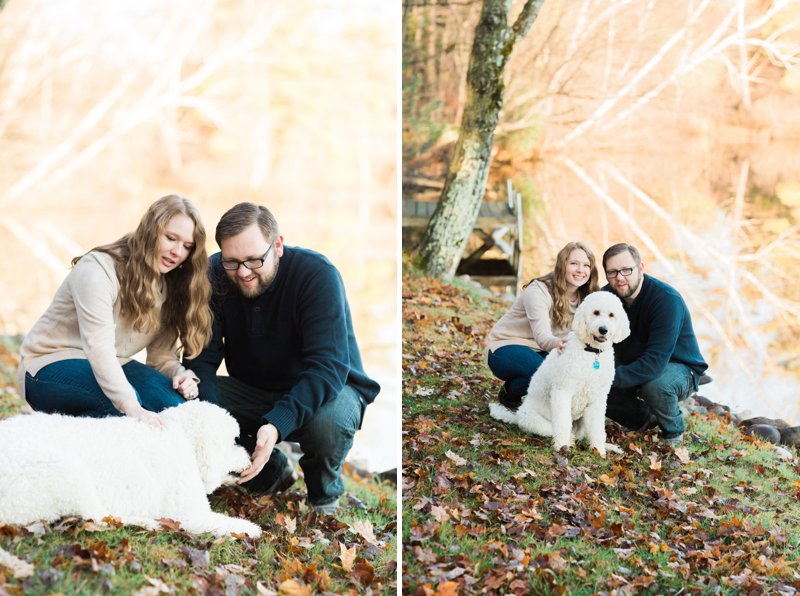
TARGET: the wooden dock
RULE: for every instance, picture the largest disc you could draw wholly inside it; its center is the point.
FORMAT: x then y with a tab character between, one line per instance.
499	226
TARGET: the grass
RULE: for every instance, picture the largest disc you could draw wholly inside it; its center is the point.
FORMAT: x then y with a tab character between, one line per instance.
489	508
298	552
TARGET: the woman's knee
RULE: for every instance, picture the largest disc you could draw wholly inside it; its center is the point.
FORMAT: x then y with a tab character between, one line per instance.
511	362
153	389
158	398
67	387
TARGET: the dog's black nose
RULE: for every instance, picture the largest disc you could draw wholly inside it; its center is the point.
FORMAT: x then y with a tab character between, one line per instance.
603	330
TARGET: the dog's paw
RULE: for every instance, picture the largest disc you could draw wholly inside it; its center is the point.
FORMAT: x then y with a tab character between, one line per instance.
239	527
613	449
248	529
560	455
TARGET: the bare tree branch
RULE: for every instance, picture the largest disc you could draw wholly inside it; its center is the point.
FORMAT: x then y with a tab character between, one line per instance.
646	239
526	18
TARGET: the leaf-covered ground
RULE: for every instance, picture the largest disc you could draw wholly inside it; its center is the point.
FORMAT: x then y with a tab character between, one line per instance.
488	508
298	553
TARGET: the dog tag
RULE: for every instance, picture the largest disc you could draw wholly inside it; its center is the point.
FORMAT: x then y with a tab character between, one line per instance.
596	365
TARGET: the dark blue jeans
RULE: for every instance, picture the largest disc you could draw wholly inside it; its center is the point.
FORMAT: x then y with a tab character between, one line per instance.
325	440
69	387
632	407
515	365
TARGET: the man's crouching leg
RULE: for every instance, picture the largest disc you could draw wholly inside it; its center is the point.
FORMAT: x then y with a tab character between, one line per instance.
662	396
325	441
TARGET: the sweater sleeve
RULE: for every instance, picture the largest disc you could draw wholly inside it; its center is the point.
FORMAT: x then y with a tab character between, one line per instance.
664	323
538	303
322	314
94	291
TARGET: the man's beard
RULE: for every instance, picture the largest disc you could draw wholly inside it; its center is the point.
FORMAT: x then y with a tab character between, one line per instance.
264	281
250	291
631	289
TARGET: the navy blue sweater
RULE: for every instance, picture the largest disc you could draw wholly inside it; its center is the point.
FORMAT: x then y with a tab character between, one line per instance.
661	332
296	338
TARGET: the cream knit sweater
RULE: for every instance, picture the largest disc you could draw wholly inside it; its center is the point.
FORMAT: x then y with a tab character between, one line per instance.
84	321
528	322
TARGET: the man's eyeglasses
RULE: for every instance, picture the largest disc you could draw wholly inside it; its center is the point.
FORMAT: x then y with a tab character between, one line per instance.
233	264
613	273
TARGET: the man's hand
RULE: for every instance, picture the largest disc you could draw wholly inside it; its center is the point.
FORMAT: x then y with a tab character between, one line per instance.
266	438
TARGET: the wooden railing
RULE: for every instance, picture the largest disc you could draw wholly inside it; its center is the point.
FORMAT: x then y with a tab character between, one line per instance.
499	226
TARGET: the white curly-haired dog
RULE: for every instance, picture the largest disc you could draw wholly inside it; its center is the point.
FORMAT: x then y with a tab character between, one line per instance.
567	395
53	465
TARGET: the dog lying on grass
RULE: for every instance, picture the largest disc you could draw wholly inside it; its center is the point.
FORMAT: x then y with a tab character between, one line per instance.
53	466
567	395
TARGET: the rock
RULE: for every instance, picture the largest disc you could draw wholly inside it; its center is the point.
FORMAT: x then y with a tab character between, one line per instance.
719	410
700	410
791	436
777	423
764	432
704	401
389	476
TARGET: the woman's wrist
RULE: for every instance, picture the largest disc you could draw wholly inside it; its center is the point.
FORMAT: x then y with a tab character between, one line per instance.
130	407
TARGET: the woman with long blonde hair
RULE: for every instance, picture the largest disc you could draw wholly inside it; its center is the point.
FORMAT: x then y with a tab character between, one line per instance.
539	321
149	290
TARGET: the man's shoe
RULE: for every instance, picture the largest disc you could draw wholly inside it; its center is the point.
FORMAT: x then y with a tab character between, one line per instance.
326	509
652	422
674	441
512	403
283	483
284	480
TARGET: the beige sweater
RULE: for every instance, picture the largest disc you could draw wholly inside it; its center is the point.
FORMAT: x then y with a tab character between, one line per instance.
528	322
84	321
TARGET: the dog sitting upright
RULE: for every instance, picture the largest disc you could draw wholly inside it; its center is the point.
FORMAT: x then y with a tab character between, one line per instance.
53	465
567	395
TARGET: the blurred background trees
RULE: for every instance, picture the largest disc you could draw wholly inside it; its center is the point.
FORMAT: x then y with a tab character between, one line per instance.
673	126
106	106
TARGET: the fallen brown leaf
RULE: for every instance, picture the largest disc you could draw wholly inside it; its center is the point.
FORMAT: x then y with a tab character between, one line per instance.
455	458
364	529
347	556
363	572
292	588
19	569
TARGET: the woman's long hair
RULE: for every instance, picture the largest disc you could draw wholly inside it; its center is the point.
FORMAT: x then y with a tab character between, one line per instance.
185	311
556	282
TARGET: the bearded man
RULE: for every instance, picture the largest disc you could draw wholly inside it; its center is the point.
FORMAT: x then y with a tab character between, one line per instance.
282	324
659	364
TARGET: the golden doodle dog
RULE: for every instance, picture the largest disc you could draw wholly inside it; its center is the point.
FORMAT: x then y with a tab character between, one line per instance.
53	465
567	395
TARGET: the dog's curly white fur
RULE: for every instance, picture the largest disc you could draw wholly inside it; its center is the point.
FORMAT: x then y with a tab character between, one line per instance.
53	465
567	395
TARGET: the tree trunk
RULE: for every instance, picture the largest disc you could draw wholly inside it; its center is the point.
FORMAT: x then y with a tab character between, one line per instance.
455	215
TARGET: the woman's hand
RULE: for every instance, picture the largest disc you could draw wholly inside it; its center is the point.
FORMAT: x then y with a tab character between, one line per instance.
186	386
562	344
137	412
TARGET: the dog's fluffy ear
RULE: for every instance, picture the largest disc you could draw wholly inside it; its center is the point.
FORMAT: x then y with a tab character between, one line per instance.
580	322
212	432
623	327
